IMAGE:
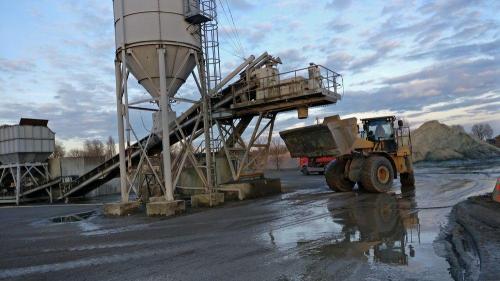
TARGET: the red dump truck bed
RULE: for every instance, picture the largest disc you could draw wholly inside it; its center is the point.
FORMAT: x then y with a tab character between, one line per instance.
310	165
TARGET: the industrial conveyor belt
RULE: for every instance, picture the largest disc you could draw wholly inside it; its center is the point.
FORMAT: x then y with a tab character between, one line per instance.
111	168
52	183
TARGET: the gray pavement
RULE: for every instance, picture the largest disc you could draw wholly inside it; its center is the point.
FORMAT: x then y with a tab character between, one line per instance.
307	233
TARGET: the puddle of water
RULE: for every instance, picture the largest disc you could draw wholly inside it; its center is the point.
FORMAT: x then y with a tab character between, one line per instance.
380	230
379	227
302	228
73	218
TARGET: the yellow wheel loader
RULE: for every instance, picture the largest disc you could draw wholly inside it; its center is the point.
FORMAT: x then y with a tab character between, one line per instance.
372	158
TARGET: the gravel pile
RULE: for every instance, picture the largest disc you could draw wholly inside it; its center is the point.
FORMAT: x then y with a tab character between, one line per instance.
434	141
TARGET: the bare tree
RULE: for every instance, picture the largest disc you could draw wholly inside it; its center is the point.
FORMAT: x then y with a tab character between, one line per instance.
277	151
110	148
59	151
482	131
75	152
93	148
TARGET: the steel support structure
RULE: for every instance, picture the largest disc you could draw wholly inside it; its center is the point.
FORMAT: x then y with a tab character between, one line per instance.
171	169
244	156
24	176
129	177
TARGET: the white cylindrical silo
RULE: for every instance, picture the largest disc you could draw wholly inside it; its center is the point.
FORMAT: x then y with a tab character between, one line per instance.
148	25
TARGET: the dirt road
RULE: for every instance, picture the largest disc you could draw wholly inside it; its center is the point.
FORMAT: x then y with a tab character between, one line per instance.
307	233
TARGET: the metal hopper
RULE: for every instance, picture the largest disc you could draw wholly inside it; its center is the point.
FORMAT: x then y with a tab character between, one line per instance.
148	26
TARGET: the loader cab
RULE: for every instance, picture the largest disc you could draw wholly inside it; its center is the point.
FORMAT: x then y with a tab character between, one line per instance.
380	130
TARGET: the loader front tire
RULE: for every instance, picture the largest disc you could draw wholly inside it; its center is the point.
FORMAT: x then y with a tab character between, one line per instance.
377	174
334	175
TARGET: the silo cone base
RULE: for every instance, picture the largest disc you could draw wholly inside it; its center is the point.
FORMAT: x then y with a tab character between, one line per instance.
121	209
165	208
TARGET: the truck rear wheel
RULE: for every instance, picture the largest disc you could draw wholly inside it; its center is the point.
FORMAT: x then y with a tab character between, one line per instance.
305	171
334	175
377	174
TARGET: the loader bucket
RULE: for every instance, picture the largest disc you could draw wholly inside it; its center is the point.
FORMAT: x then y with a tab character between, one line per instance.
334	137
311	141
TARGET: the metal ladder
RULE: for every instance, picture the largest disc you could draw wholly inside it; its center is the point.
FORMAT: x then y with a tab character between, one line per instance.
210	43
214	148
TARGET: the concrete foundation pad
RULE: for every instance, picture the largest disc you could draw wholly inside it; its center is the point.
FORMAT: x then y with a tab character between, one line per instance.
187	192
207	200
157	199
165	208
250	189
121	209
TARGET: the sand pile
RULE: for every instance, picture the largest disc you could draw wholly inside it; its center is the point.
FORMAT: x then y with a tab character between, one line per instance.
434	141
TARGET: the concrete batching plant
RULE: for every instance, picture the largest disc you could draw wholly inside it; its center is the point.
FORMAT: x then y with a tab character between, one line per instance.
222	140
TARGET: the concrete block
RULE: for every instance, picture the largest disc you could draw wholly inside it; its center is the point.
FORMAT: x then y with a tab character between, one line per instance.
251	189
157	199
207	200
230	194
187	192
165	208
121	209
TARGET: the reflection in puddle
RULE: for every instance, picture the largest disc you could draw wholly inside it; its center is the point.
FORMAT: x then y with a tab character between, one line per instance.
73	217
380	227
372	227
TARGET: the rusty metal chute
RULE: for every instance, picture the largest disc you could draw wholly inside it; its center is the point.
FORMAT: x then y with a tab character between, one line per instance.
334	137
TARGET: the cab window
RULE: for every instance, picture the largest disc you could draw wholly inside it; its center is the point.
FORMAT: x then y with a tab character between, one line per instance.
379	130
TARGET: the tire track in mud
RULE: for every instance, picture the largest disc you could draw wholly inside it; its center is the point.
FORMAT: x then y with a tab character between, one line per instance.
470	241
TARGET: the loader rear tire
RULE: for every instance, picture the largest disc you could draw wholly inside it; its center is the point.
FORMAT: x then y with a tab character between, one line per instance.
377	174
334	175
407	179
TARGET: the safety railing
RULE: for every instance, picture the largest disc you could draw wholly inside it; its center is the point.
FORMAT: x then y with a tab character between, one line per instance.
267	83
197	12
403	136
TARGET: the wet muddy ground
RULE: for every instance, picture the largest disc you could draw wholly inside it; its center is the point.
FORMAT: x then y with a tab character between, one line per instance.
307	233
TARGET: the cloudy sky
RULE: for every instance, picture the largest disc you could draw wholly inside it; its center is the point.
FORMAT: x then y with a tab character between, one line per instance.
421	60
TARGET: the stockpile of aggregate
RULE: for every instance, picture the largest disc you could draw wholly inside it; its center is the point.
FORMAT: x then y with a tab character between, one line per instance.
434	141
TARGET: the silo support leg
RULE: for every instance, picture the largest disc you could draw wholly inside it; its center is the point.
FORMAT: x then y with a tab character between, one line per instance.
121	133
18	183
123	207
165	108
170	206
3	175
